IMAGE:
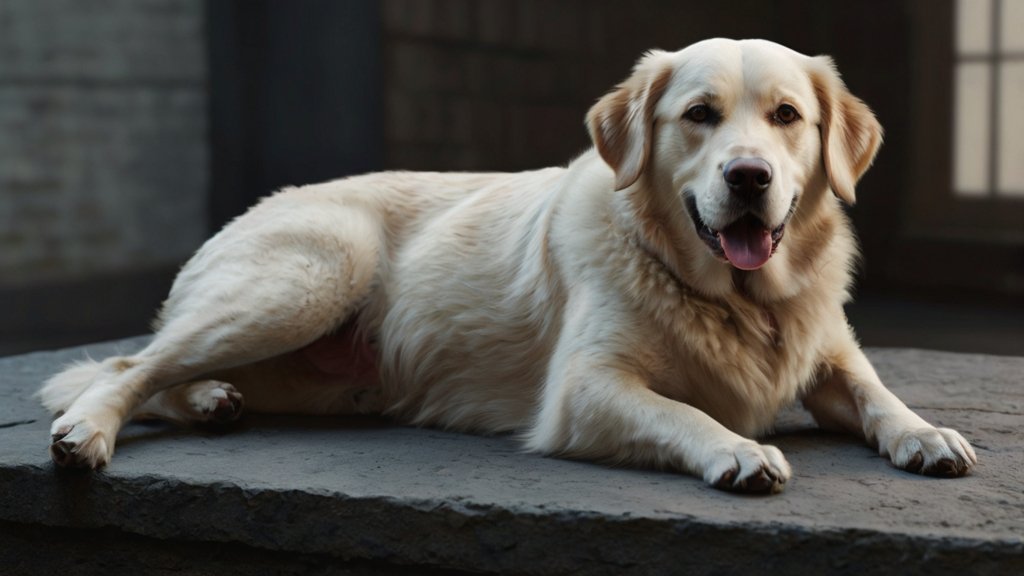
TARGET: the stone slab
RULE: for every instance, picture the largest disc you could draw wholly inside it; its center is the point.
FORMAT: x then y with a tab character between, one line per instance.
347	491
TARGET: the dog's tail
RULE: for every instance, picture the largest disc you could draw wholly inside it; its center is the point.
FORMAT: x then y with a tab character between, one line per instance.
62	389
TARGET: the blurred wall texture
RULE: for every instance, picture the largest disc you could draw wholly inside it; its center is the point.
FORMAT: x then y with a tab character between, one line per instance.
132	129
103	139
104	161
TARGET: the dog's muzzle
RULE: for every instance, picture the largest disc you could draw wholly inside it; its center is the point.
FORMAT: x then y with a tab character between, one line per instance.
747	243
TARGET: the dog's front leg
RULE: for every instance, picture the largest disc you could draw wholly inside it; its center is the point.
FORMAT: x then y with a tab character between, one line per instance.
607	413
852	398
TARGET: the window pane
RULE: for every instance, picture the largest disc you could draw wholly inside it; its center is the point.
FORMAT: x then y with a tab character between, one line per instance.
973	20
970	132
1011	129
1012	29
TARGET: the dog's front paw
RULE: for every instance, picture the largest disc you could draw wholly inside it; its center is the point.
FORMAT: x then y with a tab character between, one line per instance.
932	452
79	443
748	467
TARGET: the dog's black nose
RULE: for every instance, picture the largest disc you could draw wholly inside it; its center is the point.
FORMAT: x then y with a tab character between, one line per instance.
748	177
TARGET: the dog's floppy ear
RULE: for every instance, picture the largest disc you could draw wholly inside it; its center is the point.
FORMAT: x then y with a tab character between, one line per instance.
621	124
850	133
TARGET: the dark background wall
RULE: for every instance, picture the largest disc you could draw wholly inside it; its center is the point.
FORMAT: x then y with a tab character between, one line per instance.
294	93
297	92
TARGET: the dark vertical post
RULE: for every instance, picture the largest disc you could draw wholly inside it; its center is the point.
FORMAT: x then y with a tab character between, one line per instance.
993	103
294	96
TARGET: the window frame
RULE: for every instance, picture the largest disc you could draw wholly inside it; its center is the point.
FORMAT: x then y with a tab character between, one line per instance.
935	210
944	243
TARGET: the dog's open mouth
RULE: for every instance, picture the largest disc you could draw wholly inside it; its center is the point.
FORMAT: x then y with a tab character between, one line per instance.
746	243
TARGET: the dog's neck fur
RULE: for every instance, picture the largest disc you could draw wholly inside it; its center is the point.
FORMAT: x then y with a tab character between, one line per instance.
651	236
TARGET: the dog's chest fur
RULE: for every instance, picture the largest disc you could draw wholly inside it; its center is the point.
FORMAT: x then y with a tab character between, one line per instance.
482	365
735	359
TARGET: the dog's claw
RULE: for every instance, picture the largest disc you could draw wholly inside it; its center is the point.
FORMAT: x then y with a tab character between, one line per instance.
725	482
761	482
915	463
754	469
945	468
61	454
60	433
228	409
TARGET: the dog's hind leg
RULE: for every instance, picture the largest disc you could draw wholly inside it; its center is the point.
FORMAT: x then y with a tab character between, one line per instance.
337	374
273	281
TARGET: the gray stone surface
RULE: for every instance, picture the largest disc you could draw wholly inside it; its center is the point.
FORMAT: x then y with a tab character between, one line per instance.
354	496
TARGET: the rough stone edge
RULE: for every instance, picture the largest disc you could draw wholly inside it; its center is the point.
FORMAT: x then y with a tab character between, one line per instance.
33	550
456	534
452	534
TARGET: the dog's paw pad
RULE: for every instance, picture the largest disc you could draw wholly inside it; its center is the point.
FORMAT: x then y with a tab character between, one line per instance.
61	453
228	409
216	402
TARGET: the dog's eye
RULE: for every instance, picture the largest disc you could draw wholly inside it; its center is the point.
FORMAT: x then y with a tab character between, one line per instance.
701	114
785	114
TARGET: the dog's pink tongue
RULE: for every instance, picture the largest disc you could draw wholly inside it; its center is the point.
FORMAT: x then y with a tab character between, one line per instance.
747	244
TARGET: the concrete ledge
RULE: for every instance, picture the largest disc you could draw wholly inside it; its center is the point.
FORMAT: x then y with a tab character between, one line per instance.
360	496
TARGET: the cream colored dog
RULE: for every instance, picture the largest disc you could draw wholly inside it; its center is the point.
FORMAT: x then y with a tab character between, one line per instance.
656	302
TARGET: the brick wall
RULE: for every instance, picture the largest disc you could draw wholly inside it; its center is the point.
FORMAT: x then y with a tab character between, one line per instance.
505	84
490	84
103	154
496	84
104	161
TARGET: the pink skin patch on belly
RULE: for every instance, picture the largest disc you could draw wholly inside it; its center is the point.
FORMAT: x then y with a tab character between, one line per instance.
343	354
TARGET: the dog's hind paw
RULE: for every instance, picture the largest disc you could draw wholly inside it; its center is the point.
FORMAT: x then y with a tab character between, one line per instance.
214	401
79	444
203	401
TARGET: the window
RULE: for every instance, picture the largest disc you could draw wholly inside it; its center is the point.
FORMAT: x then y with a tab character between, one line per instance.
961	226
967	104
988	122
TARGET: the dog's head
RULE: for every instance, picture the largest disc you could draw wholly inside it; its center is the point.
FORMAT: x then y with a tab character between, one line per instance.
733	135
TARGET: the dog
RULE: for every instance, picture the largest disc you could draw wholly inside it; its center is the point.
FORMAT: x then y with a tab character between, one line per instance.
654	303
